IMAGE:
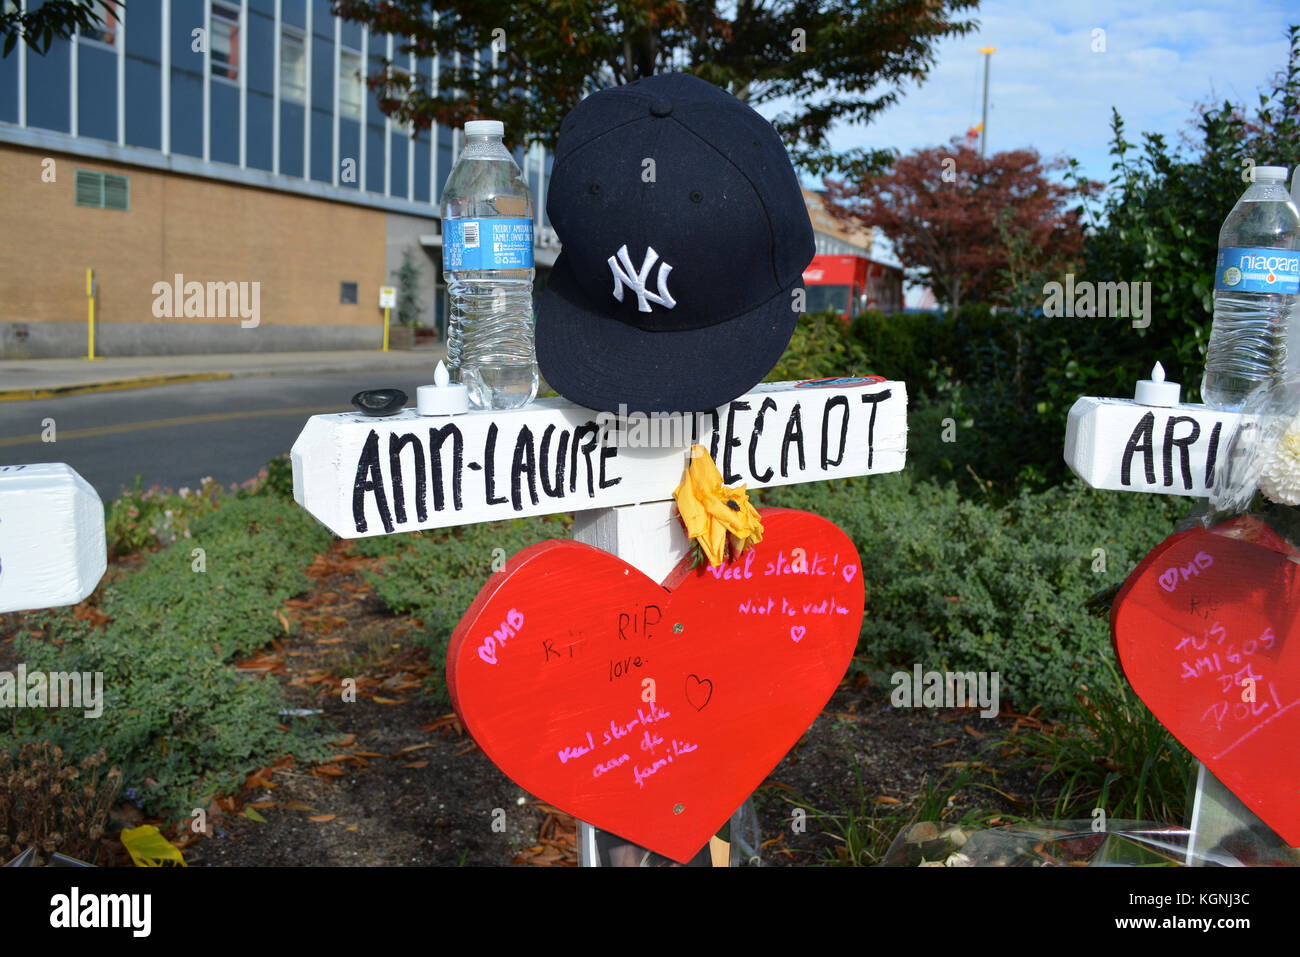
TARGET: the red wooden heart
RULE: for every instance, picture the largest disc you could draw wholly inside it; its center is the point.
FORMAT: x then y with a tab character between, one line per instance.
1204	612
548	671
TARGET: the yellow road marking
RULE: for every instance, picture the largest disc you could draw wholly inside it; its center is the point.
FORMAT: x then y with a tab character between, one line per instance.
62	434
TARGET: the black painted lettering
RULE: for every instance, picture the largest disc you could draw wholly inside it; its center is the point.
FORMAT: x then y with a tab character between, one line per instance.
1185	459
557	490
490	466
436	438
753	442
395	445
793	433
1212	454
369	479
874	399
842	401
729	477
608	452
525	462
1142	440
592	431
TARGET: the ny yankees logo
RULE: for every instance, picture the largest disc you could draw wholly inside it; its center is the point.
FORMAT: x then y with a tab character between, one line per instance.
622	270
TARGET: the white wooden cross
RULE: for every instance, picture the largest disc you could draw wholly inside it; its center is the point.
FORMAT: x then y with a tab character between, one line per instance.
363	476
52	547
1123	445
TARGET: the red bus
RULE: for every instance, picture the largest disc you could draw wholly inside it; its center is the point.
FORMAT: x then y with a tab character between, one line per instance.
852	284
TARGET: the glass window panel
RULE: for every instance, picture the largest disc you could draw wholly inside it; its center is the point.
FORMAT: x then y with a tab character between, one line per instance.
350	84
293	66
224	42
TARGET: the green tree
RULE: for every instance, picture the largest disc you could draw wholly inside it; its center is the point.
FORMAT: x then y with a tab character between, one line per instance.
1159	222
840	62
39	25
967	225
409	306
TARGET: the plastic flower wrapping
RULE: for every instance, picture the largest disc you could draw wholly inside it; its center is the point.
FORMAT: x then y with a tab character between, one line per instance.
1082	844
1280	477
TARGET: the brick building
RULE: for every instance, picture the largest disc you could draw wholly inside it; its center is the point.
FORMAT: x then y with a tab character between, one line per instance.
255	162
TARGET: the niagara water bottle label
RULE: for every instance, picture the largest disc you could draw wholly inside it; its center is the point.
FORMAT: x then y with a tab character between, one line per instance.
1255	269
470	244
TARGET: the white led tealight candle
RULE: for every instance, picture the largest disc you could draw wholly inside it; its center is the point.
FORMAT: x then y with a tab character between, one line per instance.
443	397
1156	391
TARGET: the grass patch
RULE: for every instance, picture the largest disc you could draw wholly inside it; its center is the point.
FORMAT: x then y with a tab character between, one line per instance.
862	833
1112	754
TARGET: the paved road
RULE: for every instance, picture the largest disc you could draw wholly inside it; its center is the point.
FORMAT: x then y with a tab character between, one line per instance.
175	435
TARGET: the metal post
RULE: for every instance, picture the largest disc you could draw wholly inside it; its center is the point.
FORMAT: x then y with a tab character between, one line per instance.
984	119
90	298
385	349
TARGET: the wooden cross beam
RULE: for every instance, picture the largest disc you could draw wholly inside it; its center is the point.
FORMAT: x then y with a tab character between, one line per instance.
362	476
1122	445
52	546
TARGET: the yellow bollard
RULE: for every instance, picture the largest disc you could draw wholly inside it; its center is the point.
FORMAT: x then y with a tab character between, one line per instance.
385	329
90	298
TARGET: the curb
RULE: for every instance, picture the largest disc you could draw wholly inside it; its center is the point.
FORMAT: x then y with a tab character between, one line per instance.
110	385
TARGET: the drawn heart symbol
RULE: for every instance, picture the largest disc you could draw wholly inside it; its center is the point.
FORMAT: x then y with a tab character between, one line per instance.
697	694
849	572
652	711
796	632
1205	630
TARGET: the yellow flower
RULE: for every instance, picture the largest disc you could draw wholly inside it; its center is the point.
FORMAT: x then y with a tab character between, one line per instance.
718	518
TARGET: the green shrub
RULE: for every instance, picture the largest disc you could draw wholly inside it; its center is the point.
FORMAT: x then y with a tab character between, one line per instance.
381	546
143	519
178	720
900	346
956	585
275	480
254	552
440	573
1007	381
819	348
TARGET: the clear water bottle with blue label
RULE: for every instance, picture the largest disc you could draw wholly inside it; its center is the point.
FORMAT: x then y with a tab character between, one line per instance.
487	250
1256	289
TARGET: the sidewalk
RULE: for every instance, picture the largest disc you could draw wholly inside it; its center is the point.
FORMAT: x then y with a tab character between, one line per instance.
47	378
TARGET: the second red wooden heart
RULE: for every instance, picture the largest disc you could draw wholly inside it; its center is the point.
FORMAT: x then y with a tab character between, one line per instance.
652	711
1205	629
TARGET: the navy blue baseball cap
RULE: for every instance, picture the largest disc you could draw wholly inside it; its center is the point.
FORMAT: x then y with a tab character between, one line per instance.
684	235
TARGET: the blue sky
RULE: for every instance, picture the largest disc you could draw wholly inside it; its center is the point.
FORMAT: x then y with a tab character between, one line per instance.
1050	91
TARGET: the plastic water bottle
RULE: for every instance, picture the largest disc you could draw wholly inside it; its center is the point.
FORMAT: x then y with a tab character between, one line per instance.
487	249
1256	290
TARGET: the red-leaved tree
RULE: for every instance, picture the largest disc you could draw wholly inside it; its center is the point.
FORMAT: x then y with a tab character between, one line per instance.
975	230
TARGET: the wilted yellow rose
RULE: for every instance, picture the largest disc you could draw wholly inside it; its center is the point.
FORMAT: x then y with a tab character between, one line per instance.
719	519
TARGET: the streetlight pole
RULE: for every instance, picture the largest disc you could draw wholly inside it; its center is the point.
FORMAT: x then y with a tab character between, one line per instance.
984	121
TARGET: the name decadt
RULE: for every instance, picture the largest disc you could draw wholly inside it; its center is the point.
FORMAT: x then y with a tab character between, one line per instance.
456	465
